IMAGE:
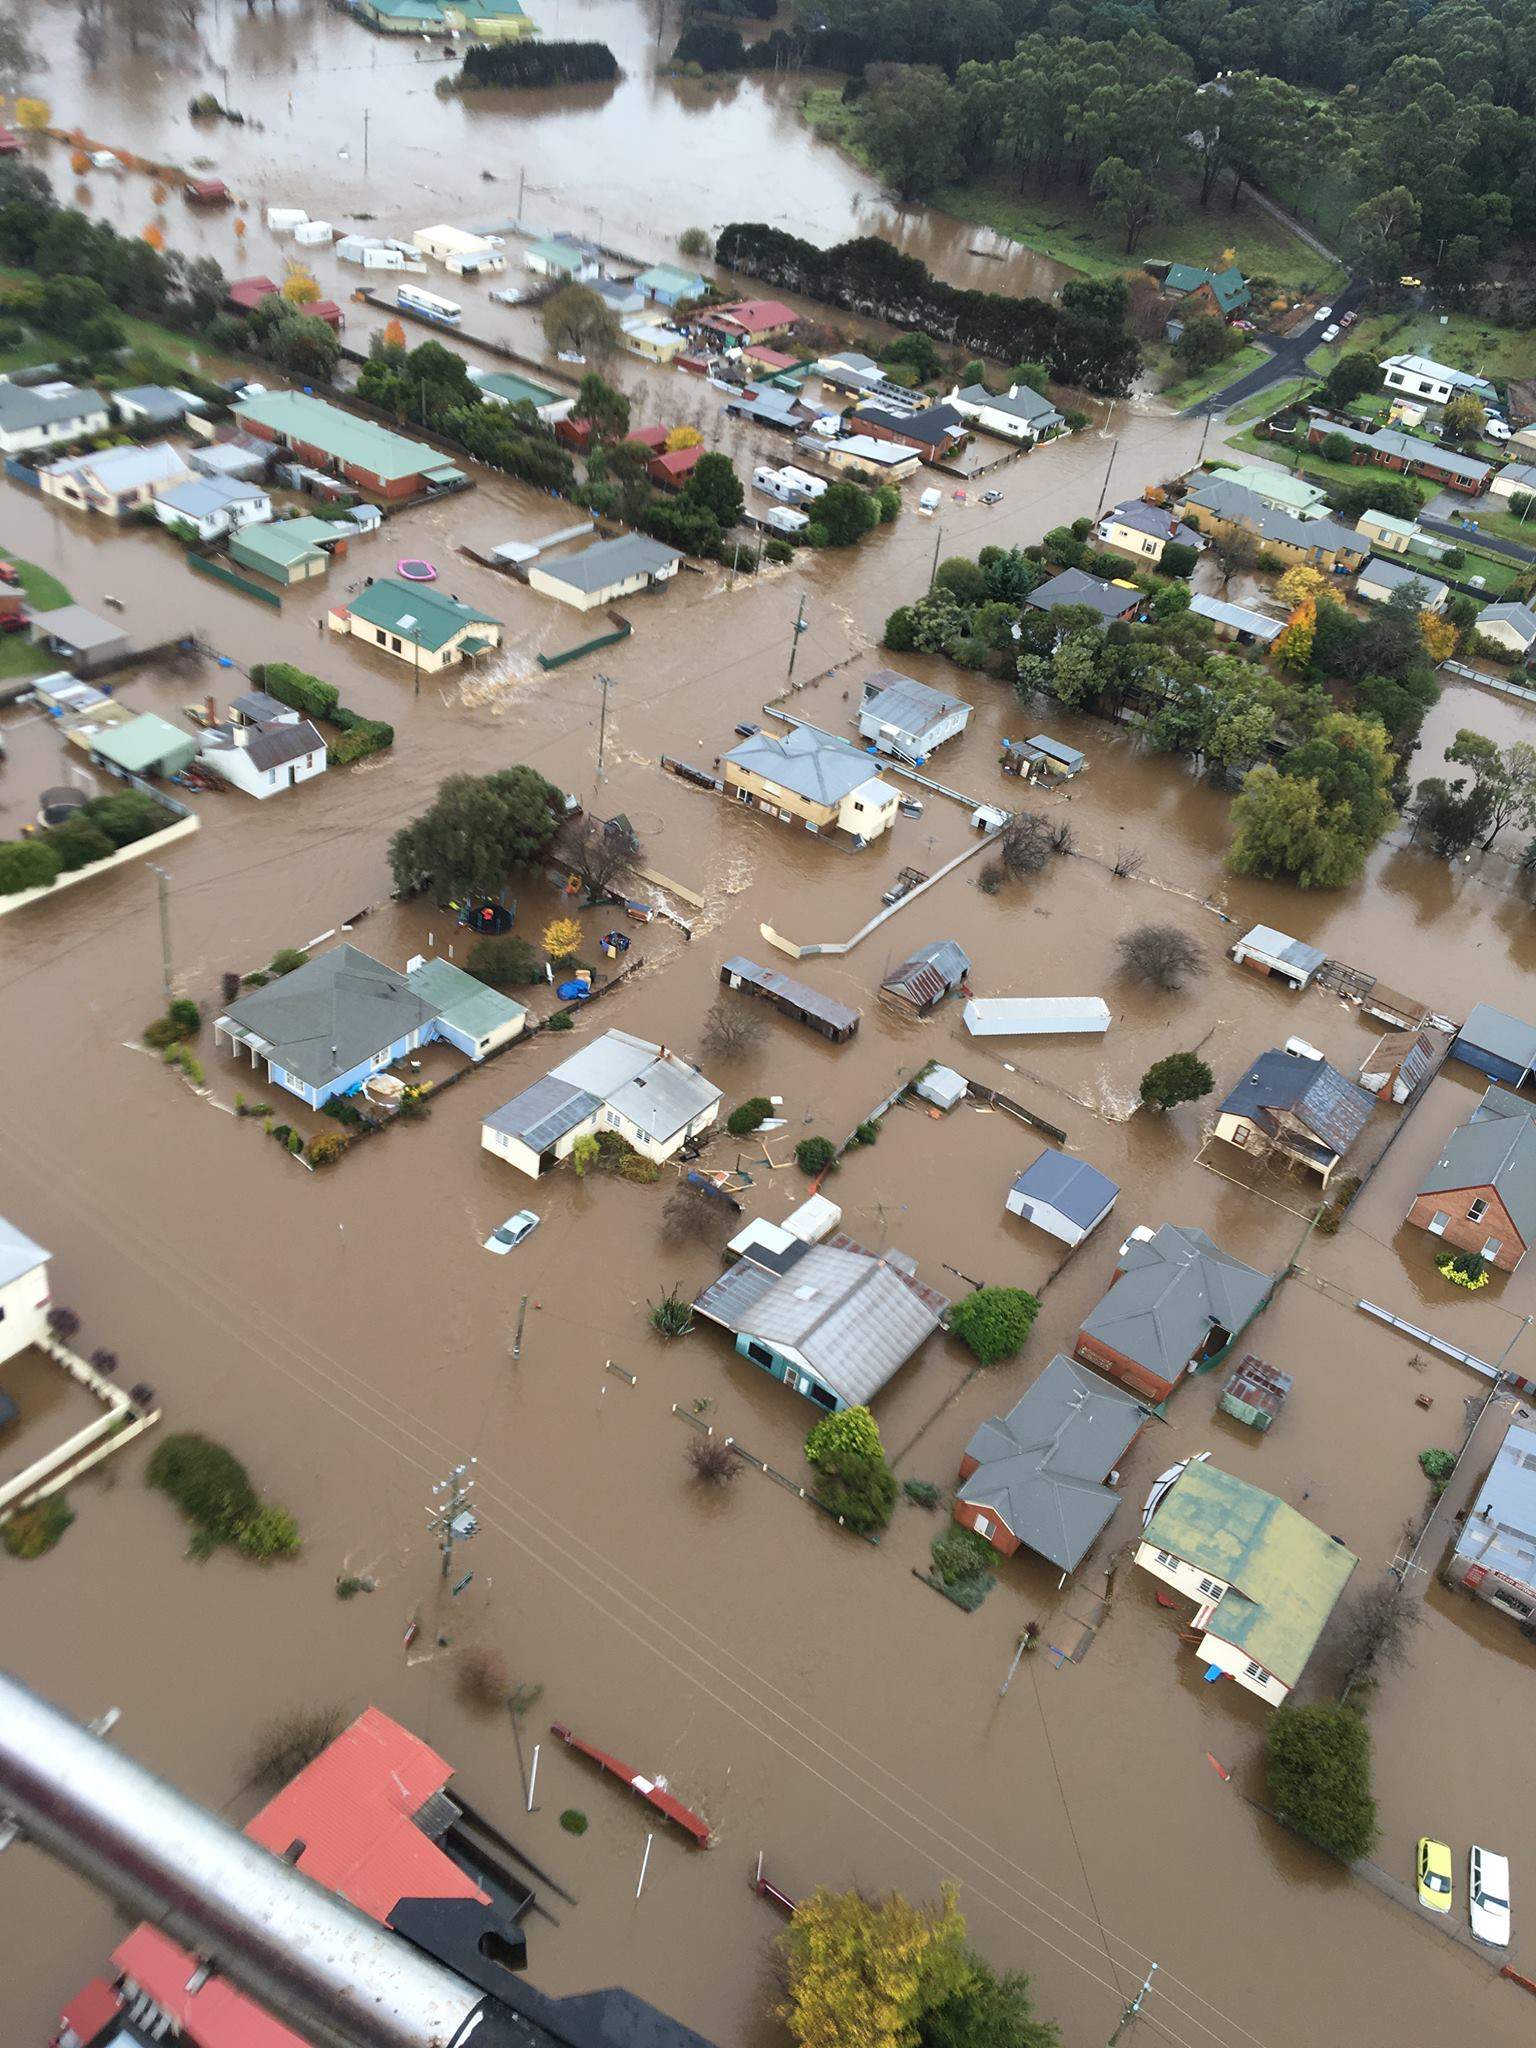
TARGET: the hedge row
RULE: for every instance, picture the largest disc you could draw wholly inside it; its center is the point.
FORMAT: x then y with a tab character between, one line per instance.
301	691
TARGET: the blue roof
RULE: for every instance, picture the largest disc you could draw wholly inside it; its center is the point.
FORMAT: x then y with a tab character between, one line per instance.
1079	1191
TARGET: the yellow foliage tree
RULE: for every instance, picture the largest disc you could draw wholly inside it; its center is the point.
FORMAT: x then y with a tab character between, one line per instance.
154	234
562	938
683	437
1293	647
1301	582
158	195
240	230
299	286
394	334
33	115
1438	635
864	1973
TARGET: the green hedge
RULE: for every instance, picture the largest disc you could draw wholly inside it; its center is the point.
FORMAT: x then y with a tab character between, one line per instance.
301	691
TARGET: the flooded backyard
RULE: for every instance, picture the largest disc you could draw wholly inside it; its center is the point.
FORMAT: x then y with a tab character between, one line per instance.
346	1334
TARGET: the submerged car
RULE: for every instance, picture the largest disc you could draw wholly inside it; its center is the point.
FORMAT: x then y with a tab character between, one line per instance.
1434	1874
506	1236
1488	1896
991	497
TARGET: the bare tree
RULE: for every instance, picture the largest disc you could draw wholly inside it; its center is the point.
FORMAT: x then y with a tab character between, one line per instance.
1128	863
731	1028
1025	843
1377	1631
293	1739
1160	955
714	1462
602	851
692	1212
481	1679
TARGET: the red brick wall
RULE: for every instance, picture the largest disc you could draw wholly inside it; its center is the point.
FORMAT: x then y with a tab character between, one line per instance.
1118	1367
1465	1236
1002	1539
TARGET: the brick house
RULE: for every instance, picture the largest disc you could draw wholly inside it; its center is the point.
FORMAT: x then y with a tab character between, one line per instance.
1405	453
1480	1194
380	463
1174	1306
931	434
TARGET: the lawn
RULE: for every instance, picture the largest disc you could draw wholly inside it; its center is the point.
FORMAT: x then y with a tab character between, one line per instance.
1190	390
1319	468
1065	224
1464	341
44	593
1506	524
1263	403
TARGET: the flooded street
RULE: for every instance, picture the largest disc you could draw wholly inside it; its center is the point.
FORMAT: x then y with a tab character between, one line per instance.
347	1336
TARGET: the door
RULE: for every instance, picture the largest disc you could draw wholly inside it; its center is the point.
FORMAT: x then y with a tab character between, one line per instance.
292	777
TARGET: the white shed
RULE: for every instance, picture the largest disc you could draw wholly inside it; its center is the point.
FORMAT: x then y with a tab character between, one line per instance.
314	234
908	718
1035	1016
1263	950
282	220
465	254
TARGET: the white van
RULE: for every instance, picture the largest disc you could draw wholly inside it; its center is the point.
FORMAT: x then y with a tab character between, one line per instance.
931	500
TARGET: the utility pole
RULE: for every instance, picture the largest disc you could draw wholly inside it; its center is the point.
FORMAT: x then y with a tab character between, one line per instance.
452	1520
164	881
933	568
1134	2007
1104	488
522	179
794	645
602	725
367	116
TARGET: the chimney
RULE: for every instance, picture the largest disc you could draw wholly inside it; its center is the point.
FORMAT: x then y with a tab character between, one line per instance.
211	710
241	735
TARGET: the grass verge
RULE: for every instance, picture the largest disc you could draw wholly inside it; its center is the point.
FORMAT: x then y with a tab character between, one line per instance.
1264	403
1190	390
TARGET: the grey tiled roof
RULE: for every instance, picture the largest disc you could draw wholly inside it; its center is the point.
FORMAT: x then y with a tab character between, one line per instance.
607	562
821	770
1076	586
1500	1530
331	1014
1496	1152
1042	1466
1172	1288
1247	509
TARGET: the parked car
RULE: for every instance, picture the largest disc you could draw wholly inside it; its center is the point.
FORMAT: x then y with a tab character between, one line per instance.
1332	332
747	730
991	497
9	573
507	295
1488	1896
1498	430
1434	1873
511	1233
1323	313
14	622
910	806
571	355
1348	319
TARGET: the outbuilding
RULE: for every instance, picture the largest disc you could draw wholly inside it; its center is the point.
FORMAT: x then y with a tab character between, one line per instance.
1498	1045
1065	1197
904	717
795	999
606	571
459	251
144	745
1263	950
212	506
933	972
1511	627
1035	1016
1379	582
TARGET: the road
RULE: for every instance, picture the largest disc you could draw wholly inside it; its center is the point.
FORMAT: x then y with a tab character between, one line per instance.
1494	544
1288	359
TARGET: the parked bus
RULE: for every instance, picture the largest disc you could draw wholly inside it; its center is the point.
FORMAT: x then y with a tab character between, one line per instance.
430	307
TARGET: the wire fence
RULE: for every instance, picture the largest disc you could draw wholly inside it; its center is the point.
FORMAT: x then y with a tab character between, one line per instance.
772	1472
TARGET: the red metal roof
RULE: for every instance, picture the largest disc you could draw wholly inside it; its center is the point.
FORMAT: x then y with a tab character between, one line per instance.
207	188
770	358
217	2016
90	2009
247	292
352	1808
323	309
649	437
752	316
674	467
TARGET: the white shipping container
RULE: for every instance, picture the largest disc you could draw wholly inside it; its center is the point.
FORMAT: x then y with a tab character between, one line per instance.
313	233
282	220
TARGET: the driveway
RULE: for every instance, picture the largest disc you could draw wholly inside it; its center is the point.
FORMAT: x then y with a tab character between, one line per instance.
1462	529
1288	358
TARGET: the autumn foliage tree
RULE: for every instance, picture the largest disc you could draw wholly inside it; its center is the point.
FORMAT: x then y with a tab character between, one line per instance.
1299	583
1293	645
562	938
394	333
154	235
1438	635
299	286
683	437
33	115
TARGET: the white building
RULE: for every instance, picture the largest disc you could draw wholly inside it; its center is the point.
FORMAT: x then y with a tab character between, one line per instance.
1514	480
1423	377
1263	950
466	255
23	1291
115	481
1510	626
213	505
909	718
48	415
1017	414
264	758
606	571
619	1083
1379	582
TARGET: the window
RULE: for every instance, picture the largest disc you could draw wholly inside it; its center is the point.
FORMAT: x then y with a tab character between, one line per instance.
1241	1135
1212	1588
1168	1562
394	643
1438	1221
760	1355
380	635
982	1526
1257	1671
1478	1210
1492	1247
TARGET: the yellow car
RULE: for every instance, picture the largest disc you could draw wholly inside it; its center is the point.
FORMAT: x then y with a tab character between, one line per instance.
1434	1875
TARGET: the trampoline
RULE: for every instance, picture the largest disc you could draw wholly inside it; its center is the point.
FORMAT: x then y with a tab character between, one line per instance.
415	570
488	918
55	805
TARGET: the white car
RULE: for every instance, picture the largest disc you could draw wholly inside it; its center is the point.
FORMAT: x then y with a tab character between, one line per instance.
507	295
506	1236
1323	313
104	160
571	355
1488	1896
1332	332
1498	430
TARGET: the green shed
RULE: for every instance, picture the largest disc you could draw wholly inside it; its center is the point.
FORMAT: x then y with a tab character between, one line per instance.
146	745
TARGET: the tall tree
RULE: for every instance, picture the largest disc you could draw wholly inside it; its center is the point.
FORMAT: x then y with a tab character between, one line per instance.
1503	779
477	832
1128	198
1380	237
911	128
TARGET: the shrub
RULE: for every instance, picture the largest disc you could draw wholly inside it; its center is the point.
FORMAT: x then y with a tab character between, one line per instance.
32	1532
287	960
27	864
562	938
1161	955
672	1315
748	1115
63	1324
815	1155
960	1554
1319	1771
125	818
851	1430
643	1172
162	1033
1437	1465
778	551
270	1532
712	1460
78	845
505	961
291	1740
1181	1077
994	1322
1178	559
297	689
1462	1269
348	1587
922	1493
326	1149
574	1821
862	1490
866	1133
482	1678
208	1483
585	1153
185	1015
561	1021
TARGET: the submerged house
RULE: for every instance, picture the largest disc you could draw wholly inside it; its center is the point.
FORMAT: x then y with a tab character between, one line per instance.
795	999
1263	1578
1263	950
423	627
833	1321
904	717
330	1025
1480	1194
1174	1306
1042	1476
1495	1553
1294	1103
809	779
649	1096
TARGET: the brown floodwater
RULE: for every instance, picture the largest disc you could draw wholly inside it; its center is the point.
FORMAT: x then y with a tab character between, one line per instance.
350	1338
347	1335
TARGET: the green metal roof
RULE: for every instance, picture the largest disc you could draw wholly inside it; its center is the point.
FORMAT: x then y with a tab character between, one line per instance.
468	1005
147	744
560	254
1227	285
407	10
1279	486
341	435
667	277
1286	1575
433	618
277	545
507	385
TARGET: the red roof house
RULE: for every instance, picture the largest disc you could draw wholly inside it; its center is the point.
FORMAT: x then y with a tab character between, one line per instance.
671	472
208	192
245	294
326	310
750	320
10	142
654	438
770	359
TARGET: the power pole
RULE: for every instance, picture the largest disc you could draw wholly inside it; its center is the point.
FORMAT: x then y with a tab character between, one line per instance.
602	725
794	645
367	116
452	1520
164	881
1134	2007
933	570
1104	488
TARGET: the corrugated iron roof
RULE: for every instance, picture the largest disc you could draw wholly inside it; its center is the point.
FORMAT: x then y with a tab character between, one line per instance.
1173	1288
1333	1109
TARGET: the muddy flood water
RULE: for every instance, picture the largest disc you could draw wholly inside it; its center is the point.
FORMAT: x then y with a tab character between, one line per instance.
346	1334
